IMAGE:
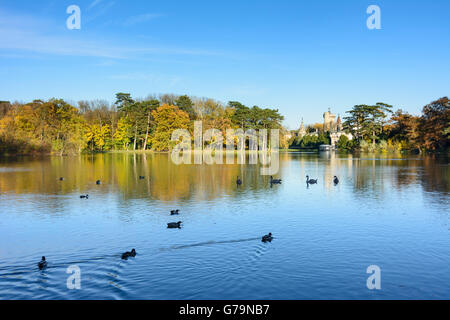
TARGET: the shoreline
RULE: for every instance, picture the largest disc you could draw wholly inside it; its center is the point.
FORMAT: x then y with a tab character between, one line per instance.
300	151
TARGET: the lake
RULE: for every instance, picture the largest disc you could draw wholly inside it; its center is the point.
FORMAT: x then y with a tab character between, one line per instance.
390	211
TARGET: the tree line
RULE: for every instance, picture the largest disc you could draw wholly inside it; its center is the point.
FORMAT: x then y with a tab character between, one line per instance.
56	126
378	128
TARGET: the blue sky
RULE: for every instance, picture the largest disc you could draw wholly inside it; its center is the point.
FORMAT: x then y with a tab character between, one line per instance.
301	57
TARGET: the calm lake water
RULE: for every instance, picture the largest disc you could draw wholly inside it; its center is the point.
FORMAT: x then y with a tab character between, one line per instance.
389	211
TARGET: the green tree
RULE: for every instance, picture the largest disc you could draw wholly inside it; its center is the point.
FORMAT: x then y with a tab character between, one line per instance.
241	114
367	122
344	143
123	100
184	103
149	106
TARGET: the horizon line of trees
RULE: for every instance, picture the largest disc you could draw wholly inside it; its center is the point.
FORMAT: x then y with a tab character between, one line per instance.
378	128
55	126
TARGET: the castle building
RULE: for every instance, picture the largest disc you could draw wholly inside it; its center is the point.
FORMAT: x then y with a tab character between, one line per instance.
331	124
334	127
329	121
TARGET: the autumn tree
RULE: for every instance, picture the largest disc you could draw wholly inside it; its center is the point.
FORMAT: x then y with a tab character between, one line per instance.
62	125
122	136
5	106
134	113
405	128
167	119
435	125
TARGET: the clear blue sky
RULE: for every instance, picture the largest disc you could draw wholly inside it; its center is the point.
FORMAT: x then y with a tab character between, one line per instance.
302	57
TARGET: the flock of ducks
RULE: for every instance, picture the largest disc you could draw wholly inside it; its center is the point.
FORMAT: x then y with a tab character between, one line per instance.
278	181
177	225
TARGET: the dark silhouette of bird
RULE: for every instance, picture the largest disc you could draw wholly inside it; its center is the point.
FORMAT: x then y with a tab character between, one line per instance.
42	264
274	181
238	181
335	180
84	196
310	181
141	177
128	254
174	225
174	212
61	179
98	182
267	238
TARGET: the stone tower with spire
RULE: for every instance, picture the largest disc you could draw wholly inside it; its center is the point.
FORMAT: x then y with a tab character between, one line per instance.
302	131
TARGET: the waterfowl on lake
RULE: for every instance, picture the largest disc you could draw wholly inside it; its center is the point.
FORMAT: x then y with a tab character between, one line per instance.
238	181
61	179
274	181
336	180
98	182
310	181
42	264
267	238
128	254
84	196
141	177
174	225
174	212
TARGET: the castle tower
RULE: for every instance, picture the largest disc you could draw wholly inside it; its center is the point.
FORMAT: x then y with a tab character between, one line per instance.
328	121
302	131
339	123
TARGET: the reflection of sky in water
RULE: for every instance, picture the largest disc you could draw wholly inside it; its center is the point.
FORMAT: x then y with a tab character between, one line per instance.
386	210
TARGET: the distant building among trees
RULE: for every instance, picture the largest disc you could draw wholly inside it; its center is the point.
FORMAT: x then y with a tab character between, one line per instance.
334	127
318	134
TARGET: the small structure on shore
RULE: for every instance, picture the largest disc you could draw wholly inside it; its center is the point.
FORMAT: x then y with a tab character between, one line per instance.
326	147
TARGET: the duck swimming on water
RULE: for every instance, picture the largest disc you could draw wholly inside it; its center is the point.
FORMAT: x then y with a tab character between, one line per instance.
267	238
238	181
174	225
174	212
128	254
310	181
61	179
141	177
84	196
335	180
274	181
42	264
98	182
